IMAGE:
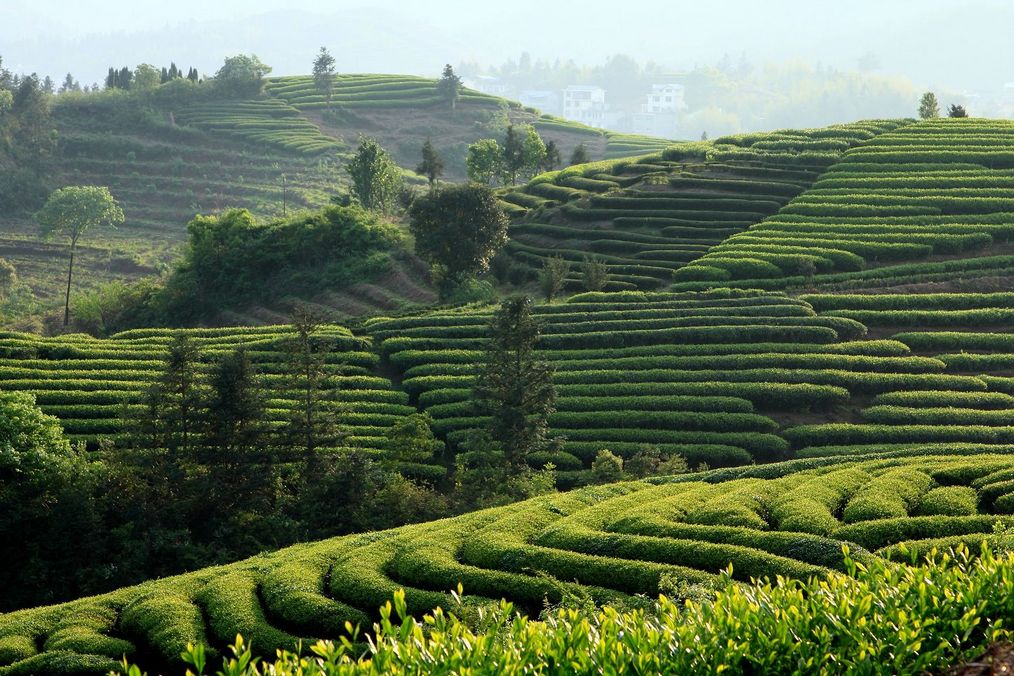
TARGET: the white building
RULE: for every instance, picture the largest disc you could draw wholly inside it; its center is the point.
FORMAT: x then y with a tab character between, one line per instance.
664	98
545	100
585	104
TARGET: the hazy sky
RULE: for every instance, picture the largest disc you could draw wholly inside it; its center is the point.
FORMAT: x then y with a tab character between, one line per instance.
961	44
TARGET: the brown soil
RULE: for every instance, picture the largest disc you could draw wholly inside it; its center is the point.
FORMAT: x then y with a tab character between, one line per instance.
998	659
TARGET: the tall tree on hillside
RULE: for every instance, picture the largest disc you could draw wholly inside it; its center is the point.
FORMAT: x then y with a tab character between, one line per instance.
323	74
552	157
235	407
533	152
513	155
310	425
376	179
32	135
459	228
484	161
513	386
449	87
48	85
432	165
70	212
956	110
579	156
928	106
234	432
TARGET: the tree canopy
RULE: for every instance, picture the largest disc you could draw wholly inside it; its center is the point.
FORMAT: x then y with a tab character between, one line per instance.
376	179
459	227
70	212
242	75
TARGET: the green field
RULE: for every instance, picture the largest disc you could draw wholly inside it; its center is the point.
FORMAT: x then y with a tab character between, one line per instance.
283	152
652	216
613	541
834	359
926	203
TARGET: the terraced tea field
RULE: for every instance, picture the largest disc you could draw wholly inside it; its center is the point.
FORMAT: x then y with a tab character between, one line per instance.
90	384
650	217
926	203
609	542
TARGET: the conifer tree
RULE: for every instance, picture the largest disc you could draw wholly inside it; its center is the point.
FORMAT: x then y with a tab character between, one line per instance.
449	87
323	74
514	387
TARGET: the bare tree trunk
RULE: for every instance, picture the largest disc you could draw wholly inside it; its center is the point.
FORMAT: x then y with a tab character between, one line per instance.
70	274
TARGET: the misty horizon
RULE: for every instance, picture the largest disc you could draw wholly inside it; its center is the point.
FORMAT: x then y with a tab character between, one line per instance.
931	43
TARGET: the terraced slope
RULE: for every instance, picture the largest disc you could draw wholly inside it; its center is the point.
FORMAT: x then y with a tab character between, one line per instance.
88	382
966	332
260	121
712	377
648	218
162	175
609	541
927	203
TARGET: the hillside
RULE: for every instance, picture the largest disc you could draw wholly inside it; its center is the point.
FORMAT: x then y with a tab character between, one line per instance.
837	366
175	154
609	542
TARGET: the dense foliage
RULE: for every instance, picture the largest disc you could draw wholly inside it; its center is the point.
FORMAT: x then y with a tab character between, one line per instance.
881	619
232	261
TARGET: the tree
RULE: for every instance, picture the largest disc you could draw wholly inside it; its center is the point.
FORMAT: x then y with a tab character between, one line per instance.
607	467
484	161
552	158
553	276
309	426
928	106
234	482
242	75
8	277
513	386
32	137
174	402
146	77
70	212
411	439
460	228
533	152
594	273
432	165
957	111
513	155
579	156
69	85
376	179
235	406
46	506
449	87
323	74
48	85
